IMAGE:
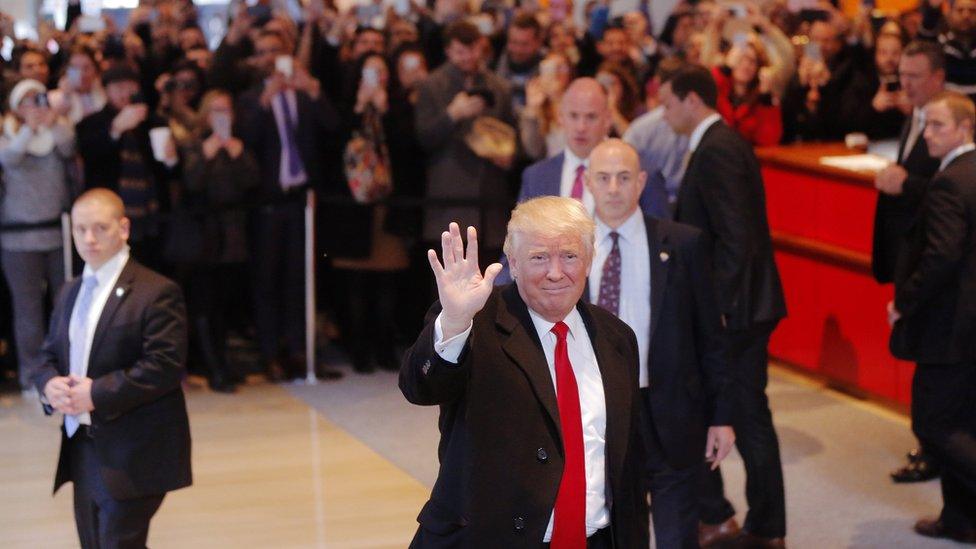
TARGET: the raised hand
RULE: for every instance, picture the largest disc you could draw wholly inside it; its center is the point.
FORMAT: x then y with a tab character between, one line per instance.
461	287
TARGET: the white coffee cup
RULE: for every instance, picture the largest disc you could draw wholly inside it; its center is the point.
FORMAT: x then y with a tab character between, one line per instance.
158	138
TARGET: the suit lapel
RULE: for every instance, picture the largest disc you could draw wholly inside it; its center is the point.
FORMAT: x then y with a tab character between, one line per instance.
616	391
116	296
523	346
556	177
659	255
903	138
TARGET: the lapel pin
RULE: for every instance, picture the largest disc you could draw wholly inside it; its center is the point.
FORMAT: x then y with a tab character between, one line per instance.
119	292
664	257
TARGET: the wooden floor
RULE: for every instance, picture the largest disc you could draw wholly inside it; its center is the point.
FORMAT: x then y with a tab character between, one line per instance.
268	472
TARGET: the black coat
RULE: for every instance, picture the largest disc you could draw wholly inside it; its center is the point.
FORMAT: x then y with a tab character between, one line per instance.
138	357
501	451
894	215
686	360
722	194
935	281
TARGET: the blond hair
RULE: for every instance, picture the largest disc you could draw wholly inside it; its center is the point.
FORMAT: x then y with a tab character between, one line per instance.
550	216
959	105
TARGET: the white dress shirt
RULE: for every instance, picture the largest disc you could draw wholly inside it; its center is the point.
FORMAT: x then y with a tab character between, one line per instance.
700	129
593	409
107	275
570	163
956	153
635	279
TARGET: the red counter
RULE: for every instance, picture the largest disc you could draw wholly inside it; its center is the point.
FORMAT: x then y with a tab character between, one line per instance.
822	220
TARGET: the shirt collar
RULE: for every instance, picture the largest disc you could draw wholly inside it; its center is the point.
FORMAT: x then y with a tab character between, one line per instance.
628	230
700	129
574	160
110	269
956	153
573	320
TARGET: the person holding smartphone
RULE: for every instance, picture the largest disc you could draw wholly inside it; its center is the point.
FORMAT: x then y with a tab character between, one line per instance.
367	258
889	103
80	92
34	146
218	175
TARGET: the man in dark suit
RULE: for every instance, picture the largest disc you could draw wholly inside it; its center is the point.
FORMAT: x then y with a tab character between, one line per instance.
722	194
934	314
655	276
113	362
901	187
540	443
584	115
286	122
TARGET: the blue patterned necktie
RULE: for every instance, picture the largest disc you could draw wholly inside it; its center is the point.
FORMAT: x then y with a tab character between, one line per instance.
609	297
78	334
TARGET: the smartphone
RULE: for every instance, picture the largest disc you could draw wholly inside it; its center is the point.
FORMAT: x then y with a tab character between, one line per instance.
411	62
88	24
285	65
812	51
371	77
605	80
137	98
221	124
41	100
74	77
809	15
401	7
892	85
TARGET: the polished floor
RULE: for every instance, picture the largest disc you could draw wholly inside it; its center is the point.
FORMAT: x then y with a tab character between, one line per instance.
348	464
269	472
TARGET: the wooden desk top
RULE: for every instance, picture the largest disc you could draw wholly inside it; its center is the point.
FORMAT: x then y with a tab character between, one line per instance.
805	157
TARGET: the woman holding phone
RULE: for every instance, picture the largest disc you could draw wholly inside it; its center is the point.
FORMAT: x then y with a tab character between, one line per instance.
80	91
34	146
367	256
218	176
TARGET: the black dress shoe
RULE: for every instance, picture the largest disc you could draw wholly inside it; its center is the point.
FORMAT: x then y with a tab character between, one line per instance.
920	468
218	385
935	528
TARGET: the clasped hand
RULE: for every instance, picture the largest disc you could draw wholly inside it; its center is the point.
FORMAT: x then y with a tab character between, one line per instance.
461	287
70	395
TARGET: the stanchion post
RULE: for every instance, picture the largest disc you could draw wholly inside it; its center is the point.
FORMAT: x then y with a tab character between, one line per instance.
67	246
310	378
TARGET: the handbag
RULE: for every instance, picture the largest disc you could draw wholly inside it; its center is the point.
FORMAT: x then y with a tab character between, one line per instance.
367	161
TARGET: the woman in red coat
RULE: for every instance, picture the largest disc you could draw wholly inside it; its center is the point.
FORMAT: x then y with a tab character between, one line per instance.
744	98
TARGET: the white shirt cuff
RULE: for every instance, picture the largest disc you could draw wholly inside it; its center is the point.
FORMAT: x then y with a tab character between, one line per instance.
449	349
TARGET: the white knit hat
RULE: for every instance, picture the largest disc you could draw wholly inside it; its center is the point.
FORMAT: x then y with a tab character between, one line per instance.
23	88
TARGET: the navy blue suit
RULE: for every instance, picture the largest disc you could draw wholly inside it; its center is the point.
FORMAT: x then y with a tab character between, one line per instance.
544	177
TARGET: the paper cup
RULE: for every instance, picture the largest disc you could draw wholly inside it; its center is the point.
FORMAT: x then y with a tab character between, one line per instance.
158	138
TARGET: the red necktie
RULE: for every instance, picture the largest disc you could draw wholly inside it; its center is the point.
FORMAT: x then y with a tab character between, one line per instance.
569	522
577	191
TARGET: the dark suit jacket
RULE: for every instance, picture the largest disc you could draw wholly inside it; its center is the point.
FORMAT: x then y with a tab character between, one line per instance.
893	215
139	425
501	451
317	143
544	178
722	194
686	360
935	282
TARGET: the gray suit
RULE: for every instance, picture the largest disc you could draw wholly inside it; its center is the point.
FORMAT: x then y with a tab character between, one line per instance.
454	173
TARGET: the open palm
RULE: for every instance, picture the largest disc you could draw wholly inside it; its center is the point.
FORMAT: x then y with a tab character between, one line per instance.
461	287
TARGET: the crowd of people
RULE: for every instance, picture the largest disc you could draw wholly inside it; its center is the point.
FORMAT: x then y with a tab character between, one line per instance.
407	117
